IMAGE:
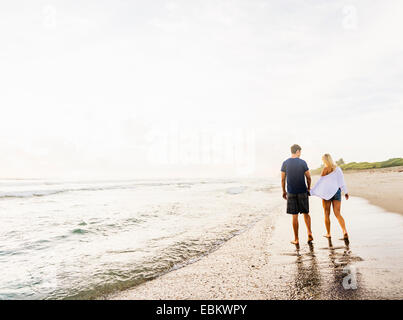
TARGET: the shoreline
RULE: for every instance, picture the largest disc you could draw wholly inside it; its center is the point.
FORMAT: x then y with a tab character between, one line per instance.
260	263
206	268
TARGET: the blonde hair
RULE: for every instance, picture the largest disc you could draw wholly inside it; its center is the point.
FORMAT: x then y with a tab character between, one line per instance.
328	161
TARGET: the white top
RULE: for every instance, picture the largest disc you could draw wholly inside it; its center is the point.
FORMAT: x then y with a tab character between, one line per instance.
327	186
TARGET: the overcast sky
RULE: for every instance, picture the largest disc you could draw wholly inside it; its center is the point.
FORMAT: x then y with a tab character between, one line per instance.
125	89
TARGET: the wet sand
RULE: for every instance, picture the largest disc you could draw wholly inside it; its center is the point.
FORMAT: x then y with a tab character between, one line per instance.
262	264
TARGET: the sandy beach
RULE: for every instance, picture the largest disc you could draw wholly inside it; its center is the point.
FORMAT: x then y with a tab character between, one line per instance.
381	187
260	263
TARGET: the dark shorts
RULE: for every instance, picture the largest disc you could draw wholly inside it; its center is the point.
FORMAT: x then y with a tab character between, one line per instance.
297	203
337	196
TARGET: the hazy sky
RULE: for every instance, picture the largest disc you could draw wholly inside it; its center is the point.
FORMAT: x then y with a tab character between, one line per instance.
196	88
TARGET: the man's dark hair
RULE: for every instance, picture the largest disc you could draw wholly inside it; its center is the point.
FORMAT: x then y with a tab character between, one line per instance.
295	148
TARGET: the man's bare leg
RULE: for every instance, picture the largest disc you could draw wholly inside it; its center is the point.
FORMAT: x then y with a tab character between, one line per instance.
307	219
295	227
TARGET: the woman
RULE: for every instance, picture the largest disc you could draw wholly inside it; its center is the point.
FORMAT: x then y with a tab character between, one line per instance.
329	188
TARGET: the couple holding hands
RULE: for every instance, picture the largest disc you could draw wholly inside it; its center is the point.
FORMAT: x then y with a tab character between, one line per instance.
294	172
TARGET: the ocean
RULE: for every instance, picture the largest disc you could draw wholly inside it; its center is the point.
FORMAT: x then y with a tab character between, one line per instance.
85	240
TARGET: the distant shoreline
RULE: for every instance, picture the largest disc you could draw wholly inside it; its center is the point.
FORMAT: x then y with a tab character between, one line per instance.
363	166
372	170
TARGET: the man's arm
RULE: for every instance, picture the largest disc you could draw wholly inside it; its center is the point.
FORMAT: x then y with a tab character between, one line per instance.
283	184
308	179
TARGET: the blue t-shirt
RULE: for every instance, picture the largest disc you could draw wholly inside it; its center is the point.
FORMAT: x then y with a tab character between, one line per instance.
295	169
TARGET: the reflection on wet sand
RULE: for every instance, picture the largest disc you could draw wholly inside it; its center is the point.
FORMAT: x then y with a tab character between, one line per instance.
345	283
335	268
307	281
326	272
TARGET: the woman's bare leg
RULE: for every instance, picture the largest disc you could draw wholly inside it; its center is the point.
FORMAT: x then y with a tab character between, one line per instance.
336	210
326	209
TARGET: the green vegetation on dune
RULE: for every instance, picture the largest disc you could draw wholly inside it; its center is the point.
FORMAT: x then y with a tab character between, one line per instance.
394	162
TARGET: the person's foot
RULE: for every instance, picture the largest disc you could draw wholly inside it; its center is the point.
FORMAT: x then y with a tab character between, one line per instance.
310	238
327	236
296	242
345	236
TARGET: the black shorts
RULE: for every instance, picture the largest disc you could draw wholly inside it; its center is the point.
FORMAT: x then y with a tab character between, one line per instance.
297	203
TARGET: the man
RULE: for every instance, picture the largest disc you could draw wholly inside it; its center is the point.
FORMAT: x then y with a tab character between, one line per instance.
295	170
